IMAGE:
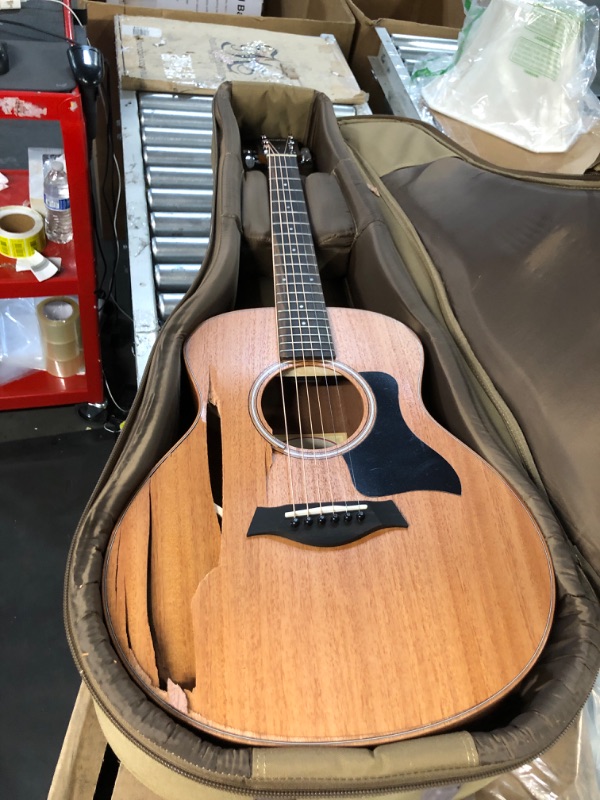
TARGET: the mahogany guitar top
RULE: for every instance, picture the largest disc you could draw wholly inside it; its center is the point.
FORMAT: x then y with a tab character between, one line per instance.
414	627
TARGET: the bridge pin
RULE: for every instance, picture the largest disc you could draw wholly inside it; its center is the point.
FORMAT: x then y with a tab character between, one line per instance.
322	519
347	517
308	520
294	522
360	516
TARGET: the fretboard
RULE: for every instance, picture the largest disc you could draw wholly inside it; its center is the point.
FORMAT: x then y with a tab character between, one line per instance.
302	321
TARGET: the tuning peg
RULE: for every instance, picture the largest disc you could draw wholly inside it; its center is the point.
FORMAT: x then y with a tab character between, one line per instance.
250	160
306	158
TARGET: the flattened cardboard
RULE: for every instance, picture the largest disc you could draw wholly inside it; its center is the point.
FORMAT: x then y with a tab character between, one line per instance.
163	55
581	156
310	17
250	7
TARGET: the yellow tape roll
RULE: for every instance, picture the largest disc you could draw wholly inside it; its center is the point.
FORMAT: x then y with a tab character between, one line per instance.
21	231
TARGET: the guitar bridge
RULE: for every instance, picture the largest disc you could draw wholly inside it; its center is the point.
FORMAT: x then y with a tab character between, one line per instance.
333	525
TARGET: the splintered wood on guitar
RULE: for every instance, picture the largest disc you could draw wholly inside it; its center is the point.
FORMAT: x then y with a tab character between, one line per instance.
317	561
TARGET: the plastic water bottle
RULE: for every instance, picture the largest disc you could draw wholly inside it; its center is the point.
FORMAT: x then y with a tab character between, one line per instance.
59	227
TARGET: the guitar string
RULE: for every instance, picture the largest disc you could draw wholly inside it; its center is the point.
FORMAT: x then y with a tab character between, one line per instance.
292	230
275	161
336	380
273	152
357	498
315	279
283	161
270	151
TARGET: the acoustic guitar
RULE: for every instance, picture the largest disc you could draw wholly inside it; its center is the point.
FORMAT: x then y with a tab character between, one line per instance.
317	561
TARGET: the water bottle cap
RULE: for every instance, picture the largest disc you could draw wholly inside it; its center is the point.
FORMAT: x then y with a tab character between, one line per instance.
57	165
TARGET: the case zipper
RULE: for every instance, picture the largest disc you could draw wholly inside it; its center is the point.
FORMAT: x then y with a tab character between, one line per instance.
566	182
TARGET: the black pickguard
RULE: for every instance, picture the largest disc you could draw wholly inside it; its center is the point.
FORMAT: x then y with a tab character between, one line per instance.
392	460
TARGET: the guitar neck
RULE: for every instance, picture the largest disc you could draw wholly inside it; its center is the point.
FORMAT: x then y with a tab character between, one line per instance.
302	321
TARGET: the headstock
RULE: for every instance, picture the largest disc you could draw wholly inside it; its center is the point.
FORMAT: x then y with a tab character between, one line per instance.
258	157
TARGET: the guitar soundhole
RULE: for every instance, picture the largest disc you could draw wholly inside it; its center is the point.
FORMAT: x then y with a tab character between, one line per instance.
315	409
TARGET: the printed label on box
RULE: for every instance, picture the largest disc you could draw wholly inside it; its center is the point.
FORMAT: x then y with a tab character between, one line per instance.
241	7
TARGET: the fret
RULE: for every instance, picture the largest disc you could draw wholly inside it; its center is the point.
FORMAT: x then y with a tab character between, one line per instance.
299	263
303	328
292	354
297	286
313	332
318	327
298	293
290	247
311	273
294	223
302	344
284	245
292	255
301	313
300	298
306	346
298	308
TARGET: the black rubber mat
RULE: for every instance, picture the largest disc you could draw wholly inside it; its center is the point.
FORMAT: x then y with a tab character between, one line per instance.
44	486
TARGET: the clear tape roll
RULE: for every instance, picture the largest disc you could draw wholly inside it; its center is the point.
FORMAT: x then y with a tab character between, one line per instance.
21	231
60	328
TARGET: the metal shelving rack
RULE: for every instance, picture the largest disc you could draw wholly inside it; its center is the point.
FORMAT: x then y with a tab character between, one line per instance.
77	276
167	161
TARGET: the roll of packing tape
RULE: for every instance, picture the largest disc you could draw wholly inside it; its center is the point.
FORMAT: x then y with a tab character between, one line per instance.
61	335
21	231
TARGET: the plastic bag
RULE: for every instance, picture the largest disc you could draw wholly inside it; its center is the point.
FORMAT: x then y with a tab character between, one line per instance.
570	770
20	342
522	72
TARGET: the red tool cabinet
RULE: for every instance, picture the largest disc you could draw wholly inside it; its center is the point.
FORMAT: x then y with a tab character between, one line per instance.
77	277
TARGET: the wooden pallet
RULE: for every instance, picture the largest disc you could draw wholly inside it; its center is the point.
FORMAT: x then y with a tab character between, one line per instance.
87	769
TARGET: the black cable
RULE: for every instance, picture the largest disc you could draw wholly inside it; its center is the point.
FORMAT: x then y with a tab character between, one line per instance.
111	292
37	30
108	160
108	295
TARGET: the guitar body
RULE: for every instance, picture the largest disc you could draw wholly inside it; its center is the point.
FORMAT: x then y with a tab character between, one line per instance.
292	635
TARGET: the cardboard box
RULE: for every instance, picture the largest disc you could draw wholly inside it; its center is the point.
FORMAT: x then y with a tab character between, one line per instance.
442	18
242	7
310	17
169	55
